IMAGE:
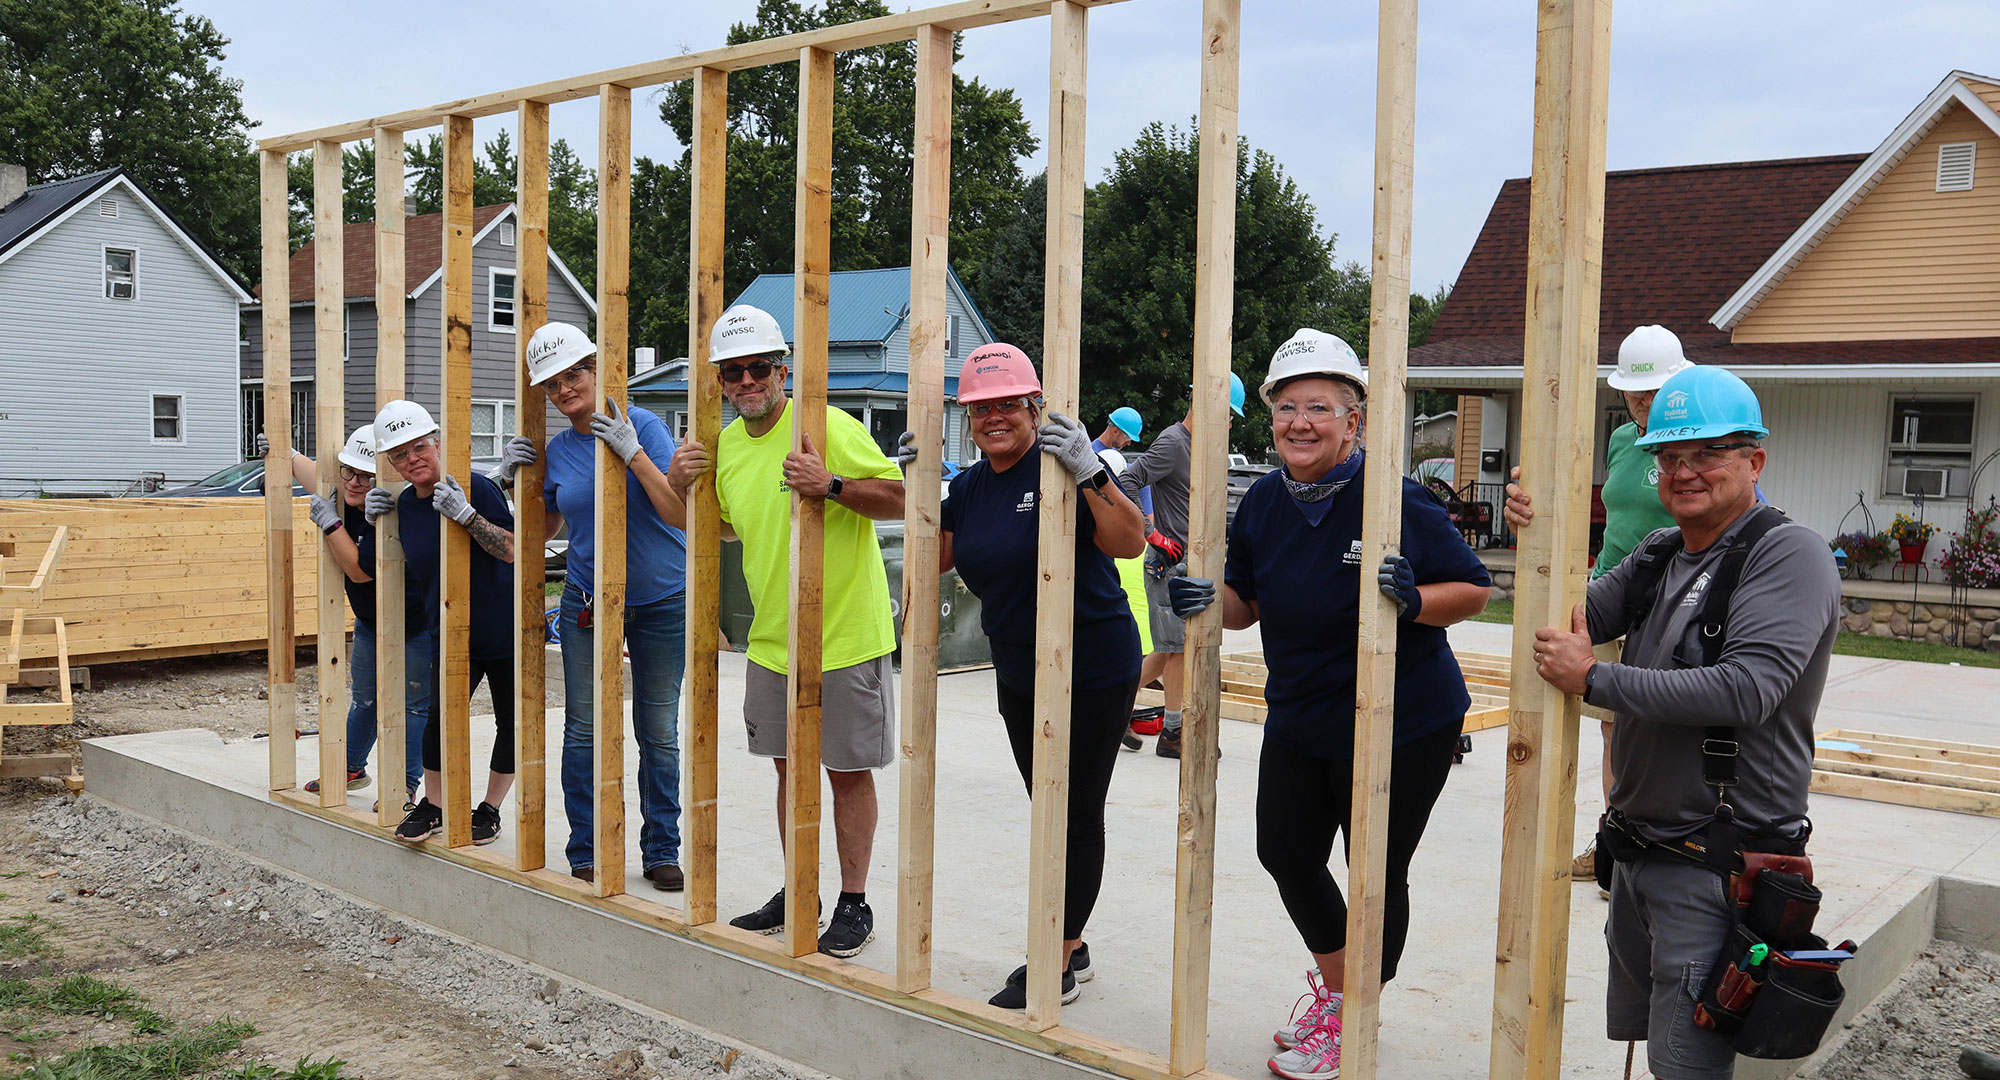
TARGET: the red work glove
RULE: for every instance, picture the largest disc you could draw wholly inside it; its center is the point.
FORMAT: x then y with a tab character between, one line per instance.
1173	548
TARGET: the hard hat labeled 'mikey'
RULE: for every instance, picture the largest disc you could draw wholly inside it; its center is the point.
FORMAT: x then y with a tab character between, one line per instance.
1647	358
1127	420
401	422
556	348
745	330
359	453
1703	403
997	372
1314	352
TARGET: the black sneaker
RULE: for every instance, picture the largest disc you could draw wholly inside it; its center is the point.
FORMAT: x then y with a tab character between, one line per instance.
421	824
485	823
1168	744
770	919
1130	742
1079	963
1015	994
853	927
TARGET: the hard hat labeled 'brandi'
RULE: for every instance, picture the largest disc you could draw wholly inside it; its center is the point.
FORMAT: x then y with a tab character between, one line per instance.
556	348
1314	352
1647	358
401	422
1703	403
359	453
997	372
1127	420
745	330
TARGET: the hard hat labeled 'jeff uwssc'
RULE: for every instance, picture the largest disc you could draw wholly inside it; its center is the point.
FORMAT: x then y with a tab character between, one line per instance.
745	330
1647	358
997	372
1127	420
359	453
401	422
556	348
1703	403
1314	352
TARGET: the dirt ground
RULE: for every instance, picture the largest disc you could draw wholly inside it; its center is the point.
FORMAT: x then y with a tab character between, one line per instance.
1949	998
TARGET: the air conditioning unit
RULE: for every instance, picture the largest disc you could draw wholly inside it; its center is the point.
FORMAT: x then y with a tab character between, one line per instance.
1930	483
121	290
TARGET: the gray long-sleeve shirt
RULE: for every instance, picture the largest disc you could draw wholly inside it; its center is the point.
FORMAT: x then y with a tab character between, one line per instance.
1766	684
1164	468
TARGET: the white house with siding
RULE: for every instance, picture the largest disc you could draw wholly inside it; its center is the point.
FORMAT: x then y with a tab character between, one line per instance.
118	334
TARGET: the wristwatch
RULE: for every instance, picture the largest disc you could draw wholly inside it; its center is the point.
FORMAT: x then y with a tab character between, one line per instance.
1589	681
834	488
1097	479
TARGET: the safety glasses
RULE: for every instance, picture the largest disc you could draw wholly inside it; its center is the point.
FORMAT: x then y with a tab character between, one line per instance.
575	376
1008	407
1700	459
758	370
350	475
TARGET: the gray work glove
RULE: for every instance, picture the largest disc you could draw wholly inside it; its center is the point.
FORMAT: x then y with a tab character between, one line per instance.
906	450
324	514
380	501
1190	596
1066	439
1399	583
617	431
450	500
263	444
519	451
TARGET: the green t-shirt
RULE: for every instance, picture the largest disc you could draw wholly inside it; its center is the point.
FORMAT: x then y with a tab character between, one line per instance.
1631	497
750	486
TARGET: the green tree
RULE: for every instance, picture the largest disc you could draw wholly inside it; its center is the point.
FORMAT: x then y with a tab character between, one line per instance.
93	84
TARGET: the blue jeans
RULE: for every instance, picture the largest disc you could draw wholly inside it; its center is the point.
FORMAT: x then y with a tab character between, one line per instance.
418	653
656	635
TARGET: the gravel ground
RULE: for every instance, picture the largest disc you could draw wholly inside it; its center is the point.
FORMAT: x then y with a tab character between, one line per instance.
1950	997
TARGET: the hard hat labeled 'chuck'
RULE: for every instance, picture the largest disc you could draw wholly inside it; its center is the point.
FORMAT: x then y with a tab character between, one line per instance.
1647	358
401	422
1127	420
997	372
359	453
745	330
1314	352
1703	403
556	348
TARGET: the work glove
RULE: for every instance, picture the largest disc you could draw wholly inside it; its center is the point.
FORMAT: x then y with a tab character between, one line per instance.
617	431
263	444
519	451
1173	549
449	499
1190	596
1070	444
906	450
380	501
1399	583
324	514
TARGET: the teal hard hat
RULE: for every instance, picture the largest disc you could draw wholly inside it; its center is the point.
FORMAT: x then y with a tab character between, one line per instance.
1127	420
1235	393
1703	403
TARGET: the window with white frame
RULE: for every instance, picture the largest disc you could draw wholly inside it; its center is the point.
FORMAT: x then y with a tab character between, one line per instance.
677	421
954	341
1930	446
167	418
121	273
492	423
500	300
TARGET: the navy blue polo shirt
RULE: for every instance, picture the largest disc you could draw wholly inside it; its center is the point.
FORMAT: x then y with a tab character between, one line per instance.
492	580
994	525
360	594
1306	583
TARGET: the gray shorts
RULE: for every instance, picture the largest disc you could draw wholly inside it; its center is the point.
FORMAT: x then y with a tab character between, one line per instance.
1169	632
1665	931
857	714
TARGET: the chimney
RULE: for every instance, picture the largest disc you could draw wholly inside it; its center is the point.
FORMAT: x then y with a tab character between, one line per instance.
643	360
13	183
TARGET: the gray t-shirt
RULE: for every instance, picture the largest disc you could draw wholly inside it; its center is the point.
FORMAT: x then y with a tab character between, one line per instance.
1164	468
1766	684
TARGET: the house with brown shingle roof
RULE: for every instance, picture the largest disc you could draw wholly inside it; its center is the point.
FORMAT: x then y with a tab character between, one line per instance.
493	321
1858	294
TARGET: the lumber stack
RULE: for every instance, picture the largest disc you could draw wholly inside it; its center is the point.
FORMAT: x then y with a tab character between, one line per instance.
24	625
1930	773
142	579
1487	677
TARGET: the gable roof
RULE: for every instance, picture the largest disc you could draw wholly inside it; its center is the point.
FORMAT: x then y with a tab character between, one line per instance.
1952	93
862	305
46	205
423	256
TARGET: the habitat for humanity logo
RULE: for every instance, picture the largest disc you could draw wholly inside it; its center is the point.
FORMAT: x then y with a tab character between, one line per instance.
1695	590
1677	405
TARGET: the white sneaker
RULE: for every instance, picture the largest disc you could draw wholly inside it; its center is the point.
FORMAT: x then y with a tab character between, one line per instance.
1315	1002
1317	1057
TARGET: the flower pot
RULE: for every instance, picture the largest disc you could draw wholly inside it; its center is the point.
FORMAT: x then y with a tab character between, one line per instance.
1913	553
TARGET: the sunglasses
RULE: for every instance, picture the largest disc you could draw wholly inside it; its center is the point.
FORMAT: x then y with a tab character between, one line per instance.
758	370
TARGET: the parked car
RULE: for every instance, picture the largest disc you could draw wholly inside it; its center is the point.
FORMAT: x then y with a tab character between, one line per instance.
245	479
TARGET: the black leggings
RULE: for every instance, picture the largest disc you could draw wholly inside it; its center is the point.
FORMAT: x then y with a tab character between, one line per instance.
499	676
1301	800
1097	717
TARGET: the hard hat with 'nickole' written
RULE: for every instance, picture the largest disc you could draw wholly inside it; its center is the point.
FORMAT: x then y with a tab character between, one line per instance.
401	422
556	348
997	372
1127	420
1647	358
745	330
1703	403
359	453
1314	352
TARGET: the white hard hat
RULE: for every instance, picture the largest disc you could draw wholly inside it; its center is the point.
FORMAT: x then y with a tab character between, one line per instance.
1112	460
745	331
554	349
359	453
1314	352
401	422
1647	358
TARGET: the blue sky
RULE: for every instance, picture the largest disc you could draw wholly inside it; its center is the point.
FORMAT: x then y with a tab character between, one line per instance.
1692	81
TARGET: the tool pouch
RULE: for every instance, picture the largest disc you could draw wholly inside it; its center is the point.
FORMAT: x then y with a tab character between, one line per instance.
1782	906
1732	984
1606	845
1789	1015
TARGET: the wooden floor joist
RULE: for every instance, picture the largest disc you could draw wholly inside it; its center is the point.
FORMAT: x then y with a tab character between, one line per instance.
1933	774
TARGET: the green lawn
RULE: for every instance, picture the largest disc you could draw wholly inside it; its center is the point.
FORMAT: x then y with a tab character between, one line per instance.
1501	611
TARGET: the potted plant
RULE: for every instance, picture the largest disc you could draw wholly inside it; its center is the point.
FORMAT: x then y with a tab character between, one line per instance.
1972	559
1865	551
1911	535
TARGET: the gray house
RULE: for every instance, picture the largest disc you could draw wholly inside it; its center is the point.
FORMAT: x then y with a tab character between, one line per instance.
868	353
117	340
493	328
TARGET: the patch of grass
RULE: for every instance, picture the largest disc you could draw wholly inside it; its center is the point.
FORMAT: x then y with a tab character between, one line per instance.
306	1069
25	935
181	1055
1500	611
1848	644
553	588
11	874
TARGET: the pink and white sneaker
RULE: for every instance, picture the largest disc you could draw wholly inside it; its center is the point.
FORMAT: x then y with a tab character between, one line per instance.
1316	1002
1317	1056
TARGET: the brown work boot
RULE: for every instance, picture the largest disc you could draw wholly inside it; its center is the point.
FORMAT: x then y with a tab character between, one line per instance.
667	877
1168	744
1584	866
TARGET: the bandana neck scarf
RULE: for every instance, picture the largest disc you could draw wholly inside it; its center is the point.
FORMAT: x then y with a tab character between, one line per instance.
1314	500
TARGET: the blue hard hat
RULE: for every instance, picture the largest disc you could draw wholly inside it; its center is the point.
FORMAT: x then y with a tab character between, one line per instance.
1703	402
1127	420
1235	394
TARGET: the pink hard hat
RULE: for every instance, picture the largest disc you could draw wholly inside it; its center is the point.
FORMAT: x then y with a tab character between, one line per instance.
996	372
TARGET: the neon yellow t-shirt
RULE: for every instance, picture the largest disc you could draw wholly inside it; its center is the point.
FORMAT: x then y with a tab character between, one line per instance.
750	486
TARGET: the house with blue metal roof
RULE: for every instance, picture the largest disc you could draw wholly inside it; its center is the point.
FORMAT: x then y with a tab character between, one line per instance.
868	353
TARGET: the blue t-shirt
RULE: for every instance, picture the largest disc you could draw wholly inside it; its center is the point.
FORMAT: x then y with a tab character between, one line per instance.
492	580
995	537
1306	583
655	552
1145	493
